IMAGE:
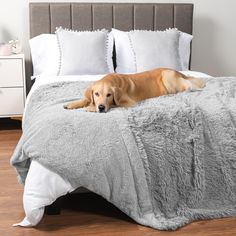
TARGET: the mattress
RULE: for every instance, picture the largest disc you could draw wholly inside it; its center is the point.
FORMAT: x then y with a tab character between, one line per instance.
42	186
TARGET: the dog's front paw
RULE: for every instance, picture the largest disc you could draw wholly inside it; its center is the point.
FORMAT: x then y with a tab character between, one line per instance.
90	109
68	106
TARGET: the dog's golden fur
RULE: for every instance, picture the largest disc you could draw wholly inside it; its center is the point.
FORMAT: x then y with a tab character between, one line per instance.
126	90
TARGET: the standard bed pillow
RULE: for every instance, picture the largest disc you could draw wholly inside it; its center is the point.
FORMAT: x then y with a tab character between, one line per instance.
84	52
185	49
126	57
45	54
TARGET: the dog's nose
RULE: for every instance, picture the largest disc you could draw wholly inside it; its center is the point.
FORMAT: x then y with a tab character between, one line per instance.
101	108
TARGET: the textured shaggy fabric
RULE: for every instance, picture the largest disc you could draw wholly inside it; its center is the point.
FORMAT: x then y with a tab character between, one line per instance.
166	162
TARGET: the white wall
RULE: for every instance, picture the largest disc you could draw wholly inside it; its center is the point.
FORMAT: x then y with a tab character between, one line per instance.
14	21
214	45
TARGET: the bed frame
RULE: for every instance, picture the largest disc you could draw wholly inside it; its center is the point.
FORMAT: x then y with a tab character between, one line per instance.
45	17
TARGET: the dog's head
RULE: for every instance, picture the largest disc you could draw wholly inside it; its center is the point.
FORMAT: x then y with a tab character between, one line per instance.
103	96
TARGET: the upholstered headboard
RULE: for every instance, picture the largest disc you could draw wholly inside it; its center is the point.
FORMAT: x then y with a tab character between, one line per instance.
45	17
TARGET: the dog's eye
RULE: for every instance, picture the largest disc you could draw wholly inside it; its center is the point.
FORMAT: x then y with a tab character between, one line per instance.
108	95
97	94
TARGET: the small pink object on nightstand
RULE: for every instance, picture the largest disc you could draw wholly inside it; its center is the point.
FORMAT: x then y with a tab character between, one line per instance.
5	49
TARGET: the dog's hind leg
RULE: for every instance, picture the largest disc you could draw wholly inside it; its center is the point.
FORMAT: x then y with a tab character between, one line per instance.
196	83
175	82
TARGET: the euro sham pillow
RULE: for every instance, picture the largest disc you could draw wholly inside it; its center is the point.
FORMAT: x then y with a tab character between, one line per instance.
170	48
84	52
45	54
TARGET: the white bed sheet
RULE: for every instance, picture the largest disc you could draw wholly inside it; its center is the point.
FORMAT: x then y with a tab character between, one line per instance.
42	186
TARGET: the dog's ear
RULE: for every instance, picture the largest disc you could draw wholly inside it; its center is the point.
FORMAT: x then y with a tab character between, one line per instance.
117	93
89	95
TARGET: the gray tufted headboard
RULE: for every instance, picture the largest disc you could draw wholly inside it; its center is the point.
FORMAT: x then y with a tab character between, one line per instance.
45	17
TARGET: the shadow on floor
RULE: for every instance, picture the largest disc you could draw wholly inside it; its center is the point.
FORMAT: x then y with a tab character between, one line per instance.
9	124
92	203
85	211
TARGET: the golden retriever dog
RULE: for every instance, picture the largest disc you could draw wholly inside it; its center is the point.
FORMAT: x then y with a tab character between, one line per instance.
125	90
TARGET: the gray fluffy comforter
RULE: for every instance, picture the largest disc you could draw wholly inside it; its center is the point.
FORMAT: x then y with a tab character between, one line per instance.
166	162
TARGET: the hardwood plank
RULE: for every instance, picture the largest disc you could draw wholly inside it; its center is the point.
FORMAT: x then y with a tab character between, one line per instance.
83	214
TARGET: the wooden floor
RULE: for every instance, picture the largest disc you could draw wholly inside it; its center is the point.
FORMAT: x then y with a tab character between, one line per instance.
84	214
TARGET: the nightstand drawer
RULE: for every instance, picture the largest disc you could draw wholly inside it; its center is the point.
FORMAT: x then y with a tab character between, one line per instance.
11	72
11	101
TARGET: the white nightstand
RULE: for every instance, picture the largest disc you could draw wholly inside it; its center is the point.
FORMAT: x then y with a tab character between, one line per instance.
12	85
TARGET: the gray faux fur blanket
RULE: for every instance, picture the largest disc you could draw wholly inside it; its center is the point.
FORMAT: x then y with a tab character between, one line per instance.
166	162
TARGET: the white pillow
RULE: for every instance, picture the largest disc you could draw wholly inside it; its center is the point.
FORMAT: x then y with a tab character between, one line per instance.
185	49
155	49
45	54
125	55
84	52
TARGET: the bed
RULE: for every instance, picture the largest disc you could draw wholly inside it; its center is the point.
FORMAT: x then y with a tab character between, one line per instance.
204	183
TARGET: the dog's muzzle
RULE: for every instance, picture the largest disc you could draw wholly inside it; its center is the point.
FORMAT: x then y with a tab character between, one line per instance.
101	108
